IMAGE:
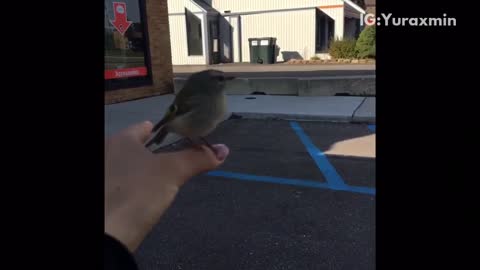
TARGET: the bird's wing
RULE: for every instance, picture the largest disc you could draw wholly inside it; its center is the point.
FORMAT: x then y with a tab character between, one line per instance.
159	132
169	115
177	108
186	101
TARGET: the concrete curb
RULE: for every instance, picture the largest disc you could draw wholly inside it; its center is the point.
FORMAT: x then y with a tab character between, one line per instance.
292	86
330	109
366	111
300	117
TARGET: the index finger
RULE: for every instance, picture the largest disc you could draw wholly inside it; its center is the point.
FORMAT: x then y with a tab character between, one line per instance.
140	131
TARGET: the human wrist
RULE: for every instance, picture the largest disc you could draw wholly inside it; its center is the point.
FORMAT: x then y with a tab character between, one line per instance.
129	223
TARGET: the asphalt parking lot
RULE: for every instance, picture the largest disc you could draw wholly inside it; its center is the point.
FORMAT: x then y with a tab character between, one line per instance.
291	195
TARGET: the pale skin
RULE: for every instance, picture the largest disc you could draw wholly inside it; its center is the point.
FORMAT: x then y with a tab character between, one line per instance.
140	185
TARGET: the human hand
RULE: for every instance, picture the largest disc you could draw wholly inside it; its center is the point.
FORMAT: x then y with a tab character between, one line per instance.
140	185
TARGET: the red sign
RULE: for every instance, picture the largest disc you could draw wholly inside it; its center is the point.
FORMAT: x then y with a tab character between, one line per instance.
120	21
125	73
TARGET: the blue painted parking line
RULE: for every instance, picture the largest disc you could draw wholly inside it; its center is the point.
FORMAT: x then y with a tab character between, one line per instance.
269	179
289	181
334	179
372	127
364	190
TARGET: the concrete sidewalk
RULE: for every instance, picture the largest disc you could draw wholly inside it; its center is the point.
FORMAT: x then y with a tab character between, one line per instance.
319	108
254	68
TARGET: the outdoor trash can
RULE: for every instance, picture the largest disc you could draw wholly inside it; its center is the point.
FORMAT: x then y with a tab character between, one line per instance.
262	50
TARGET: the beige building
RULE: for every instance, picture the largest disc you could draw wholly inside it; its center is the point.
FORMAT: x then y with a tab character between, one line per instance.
370	6
217	31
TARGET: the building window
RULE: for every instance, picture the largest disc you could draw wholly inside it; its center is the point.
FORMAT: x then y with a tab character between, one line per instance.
126	47
194	33
351	28
324	31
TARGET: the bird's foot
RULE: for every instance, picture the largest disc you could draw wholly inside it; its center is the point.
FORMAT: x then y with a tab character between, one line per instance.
194	143
208	145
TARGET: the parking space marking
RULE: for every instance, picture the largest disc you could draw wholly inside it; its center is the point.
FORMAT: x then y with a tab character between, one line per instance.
288	181
372	127
364	190
269	179
334	179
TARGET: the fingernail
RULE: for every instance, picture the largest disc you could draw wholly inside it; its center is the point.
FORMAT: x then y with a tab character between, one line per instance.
222	151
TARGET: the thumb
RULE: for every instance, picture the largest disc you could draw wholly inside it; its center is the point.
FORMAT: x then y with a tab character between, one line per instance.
195	161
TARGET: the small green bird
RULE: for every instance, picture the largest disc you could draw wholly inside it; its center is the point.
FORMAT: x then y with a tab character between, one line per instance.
196	111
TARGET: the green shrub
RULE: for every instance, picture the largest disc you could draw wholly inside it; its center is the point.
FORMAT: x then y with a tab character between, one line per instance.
371	53
315	58
343	48
366	43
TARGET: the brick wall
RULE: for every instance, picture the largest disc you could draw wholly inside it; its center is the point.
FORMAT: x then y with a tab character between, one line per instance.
161	61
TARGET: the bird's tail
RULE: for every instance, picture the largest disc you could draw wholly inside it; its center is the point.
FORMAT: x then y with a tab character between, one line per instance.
160	131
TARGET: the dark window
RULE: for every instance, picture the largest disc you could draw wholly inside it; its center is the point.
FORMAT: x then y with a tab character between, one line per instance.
194	33
126	49
324	33
357	28
351	28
